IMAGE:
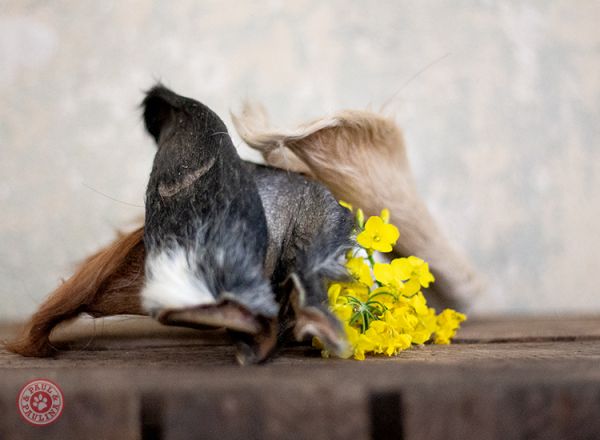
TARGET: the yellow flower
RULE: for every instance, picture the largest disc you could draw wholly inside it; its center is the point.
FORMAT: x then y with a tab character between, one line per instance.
343	312
404	274
402	317
359	354
356	290
360	270
421	335
334	293
386	275
393	316
360	342
387	338
413	268
411	287
448	322
364	344
419	303
339	303
378	235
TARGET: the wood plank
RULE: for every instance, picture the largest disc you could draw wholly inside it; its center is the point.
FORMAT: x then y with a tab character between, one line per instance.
135	331
576	353
270	404
529	329
133	379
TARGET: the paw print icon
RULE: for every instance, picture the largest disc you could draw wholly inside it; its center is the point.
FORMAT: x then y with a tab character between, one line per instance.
40	402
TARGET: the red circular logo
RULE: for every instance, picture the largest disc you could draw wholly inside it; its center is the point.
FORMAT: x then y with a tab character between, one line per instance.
40	402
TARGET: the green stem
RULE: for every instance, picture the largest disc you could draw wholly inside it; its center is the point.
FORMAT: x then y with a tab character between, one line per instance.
383	306
383	293
354	318
373	318
371	259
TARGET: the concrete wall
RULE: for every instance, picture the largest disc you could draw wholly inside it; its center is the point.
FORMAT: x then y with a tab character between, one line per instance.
500	103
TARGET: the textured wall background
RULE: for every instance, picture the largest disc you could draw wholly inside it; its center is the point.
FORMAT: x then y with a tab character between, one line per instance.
502	126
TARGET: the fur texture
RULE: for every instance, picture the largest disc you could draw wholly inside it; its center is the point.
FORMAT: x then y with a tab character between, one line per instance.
206	232
173	283
361	157
309	232
107	283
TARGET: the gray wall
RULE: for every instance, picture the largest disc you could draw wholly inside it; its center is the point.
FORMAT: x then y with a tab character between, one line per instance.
499	102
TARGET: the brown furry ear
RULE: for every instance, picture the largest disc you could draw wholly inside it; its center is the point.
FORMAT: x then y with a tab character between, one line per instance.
361	157
107	283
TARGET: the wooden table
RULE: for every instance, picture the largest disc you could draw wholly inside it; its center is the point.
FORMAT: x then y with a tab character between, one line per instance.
131	378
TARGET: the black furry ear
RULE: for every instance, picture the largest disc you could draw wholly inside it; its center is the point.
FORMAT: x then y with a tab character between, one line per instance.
160	107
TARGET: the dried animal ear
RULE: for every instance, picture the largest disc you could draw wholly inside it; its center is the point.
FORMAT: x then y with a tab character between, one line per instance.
206	232
361	157
314	320
107	283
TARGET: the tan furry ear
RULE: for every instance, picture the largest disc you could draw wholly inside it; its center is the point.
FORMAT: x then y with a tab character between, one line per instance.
253	127
360	156
107	283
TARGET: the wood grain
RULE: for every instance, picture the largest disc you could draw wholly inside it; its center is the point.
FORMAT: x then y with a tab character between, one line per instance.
508	378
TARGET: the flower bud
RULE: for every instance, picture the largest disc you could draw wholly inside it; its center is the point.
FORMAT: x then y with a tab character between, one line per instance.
360	218
346	205
385	215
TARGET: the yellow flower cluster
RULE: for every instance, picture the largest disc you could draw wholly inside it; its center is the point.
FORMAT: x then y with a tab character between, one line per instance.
383	309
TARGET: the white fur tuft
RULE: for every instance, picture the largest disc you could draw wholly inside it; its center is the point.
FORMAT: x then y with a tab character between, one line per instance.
172	283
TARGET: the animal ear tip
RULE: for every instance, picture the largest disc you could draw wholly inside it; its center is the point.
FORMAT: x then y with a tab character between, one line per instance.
158	92
157	86
157	106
